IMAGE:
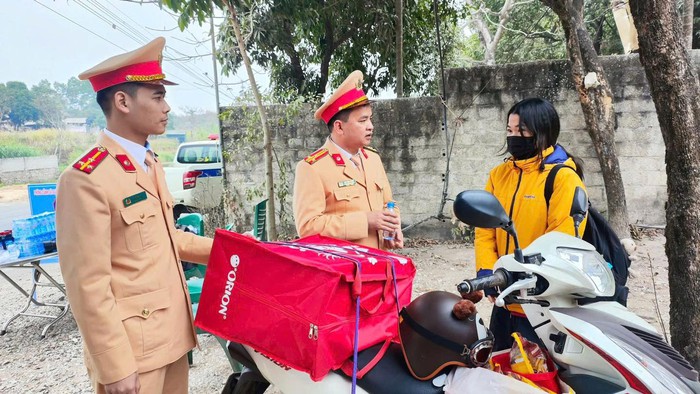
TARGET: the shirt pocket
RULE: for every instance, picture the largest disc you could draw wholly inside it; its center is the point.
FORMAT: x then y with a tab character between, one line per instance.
346	194
140	224
145	320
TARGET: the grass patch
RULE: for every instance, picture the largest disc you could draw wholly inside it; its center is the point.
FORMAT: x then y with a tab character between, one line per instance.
8	151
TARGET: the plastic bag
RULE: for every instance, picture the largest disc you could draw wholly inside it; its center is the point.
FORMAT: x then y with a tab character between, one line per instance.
465	380
527	357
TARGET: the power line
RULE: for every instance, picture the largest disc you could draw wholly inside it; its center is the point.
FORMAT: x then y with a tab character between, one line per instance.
133	33
78	24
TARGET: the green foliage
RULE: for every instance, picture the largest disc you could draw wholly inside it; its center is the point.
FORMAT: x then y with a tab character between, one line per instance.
20	103
463	232
66	145
49	104
245	149
534	32
306	44
15	150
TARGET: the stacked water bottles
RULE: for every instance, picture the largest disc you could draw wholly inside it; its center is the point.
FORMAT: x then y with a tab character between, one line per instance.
8	249
31	233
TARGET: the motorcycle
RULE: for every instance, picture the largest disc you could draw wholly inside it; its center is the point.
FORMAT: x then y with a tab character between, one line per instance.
599	347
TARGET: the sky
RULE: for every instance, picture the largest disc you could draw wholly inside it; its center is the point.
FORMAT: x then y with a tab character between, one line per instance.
58	39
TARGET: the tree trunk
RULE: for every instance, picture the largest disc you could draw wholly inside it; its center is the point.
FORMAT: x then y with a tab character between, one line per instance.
597	106
674	89
688	6
399	48
270	185
327	47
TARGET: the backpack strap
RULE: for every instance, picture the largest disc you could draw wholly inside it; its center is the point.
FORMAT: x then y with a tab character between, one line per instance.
549	183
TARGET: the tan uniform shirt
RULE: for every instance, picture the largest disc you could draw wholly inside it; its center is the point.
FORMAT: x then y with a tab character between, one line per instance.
331	197
120	256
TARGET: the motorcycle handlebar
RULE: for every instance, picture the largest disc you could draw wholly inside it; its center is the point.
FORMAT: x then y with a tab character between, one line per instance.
500	278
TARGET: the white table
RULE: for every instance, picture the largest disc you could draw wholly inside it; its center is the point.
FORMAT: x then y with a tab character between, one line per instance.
34	263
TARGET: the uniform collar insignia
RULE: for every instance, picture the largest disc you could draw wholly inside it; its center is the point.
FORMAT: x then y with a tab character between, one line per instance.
338	159
126	163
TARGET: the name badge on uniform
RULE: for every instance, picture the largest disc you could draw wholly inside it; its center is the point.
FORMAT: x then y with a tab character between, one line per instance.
350	182
131	200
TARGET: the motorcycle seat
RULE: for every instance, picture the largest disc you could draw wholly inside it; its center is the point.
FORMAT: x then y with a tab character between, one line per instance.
391	375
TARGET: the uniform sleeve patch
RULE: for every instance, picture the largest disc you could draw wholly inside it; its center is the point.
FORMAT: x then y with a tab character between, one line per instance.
91	160
314	157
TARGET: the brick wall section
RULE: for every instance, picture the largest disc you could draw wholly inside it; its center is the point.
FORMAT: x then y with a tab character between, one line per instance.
410	137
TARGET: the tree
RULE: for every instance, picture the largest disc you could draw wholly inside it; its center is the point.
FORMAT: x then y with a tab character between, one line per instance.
305	44
79	101
200	9
49	104
20	104
597	104
399	48
481	21
688	8
4	101
674	88
529	31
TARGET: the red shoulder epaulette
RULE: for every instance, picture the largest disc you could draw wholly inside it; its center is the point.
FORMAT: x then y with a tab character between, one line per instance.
91	160
312	158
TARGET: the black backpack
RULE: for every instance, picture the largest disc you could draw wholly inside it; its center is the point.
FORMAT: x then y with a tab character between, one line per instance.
599	234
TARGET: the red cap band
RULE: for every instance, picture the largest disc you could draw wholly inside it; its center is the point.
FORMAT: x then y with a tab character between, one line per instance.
141	72
347	100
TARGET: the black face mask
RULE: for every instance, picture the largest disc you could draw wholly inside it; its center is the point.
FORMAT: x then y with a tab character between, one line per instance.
521	147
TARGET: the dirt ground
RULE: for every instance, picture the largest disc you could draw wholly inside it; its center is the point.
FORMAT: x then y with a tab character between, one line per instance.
13	193
29	364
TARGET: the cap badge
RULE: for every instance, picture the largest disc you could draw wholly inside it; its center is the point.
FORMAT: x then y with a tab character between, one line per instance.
358	83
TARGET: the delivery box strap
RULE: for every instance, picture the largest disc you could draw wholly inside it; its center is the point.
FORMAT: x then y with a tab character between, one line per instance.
357	290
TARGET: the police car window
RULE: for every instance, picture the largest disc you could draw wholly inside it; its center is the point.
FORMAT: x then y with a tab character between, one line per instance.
193	154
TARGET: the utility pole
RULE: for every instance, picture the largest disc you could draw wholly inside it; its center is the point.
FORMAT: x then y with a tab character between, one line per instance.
216	89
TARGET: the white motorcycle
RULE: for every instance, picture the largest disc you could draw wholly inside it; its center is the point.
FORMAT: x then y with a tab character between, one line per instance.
599	347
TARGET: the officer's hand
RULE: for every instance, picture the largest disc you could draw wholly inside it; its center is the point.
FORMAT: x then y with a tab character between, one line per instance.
385	221
397	242
128	385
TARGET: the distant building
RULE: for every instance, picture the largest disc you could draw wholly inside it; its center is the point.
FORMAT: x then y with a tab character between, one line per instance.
76	124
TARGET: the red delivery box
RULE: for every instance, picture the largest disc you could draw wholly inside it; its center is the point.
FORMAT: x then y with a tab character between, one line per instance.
296	302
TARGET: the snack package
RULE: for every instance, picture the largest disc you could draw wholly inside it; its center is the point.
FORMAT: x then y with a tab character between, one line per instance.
527	357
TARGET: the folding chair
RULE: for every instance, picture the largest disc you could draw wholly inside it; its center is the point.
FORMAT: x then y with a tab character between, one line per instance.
260	220
192	221
195	280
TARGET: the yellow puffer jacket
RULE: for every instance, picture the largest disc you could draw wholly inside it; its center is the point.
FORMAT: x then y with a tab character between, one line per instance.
519	186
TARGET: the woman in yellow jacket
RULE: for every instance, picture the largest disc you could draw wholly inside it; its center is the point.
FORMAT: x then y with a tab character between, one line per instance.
518	183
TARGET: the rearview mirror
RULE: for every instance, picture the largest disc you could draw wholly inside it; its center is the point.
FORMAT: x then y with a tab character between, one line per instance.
580	204
480	208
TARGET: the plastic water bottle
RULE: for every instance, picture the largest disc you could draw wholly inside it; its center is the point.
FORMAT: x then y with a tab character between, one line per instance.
389	236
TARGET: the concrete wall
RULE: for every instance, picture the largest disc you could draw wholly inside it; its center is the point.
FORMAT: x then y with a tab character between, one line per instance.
479	99
28	169
415	145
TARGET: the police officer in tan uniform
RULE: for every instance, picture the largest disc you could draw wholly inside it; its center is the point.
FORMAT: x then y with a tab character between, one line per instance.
118	248
341	190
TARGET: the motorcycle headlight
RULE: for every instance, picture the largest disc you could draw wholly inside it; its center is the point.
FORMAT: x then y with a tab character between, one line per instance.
591	263
666	378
